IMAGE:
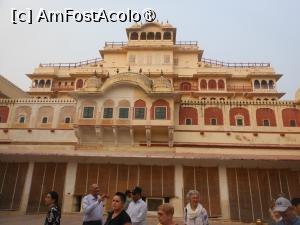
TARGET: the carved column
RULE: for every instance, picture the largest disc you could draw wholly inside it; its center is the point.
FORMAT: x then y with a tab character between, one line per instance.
99	134
115	132
148	135
171	135
77	133
132	136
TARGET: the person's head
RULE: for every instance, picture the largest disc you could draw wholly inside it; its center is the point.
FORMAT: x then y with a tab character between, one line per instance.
193	197
128	193
296	203
94	190
136	193
51	198
118	201
285	208
165	214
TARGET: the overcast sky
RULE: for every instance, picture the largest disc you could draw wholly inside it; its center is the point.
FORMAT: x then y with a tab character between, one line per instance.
231	30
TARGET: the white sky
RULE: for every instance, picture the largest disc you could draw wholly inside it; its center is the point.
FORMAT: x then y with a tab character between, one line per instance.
231	31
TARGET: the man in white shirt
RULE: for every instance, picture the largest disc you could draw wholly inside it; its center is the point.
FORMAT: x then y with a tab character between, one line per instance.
92	206
137	209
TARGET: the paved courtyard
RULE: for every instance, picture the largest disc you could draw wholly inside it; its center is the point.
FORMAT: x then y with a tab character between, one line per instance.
8	218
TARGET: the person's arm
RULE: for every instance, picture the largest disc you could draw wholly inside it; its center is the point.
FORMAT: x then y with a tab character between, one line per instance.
88	208
204	217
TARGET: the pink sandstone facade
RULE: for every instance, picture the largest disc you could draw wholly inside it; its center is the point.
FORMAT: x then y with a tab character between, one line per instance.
152	112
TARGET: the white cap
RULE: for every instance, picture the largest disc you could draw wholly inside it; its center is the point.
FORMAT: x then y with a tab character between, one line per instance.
281	204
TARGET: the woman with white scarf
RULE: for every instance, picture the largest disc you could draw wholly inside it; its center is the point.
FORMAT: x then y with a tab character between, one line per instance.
194	213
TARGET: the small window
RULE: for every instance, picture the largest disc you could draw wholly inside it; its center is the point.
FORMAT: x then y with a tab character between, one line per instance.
167	35
143	36
239	122
123	113
22	119
266	123
45	120
108	113
157	36
160	113
88	112
72	83
264	84
139	113
213	121
0	119
67	120
134	36
150	36
188	121
293	123
256	84
66	83
153	203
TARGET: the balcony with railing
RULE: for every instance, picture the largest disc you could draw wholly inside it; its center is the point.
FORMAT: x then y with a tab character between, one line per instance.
72	65
239	88
62	88
120	44
233	65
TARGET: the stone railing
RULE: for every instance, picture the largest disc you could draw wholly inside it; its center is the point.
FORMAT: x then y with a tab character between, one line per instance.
35	100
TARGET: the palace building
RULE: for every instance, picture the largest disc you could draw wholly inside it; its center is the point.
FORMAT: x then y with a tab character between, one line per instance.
151	112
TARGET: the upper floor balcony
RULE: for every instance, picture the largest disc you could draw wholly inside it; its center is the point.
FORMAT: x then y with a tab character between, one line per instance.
63	88
179	44
71	65
239	88
233	65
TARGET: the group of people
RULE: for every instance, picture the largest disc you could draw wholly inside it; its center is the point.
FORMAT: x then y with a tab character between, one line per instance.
127	209
285	212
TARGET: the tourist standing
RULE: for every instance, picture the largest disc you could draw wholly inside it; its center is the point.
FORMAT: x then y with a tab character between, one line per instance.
194	213
137	209
92	206
118	216
54	214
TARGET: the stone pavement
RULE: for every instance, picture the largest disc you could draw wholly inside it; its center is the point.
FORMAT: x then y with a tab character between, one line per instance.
9	218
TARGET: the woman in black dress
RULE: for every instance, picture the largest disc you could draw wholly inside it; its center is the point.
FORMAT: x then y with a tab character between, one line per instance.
118	216
53	215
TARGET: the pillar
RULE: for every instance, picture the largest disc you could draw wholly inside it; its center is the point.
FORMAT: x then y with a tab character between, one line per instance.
26	189
69	187
224	193
177	201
